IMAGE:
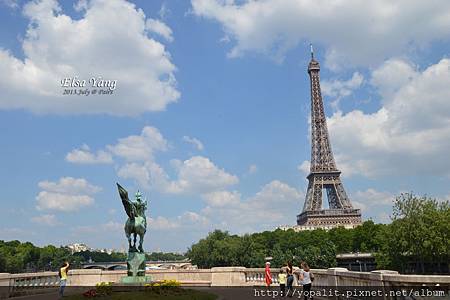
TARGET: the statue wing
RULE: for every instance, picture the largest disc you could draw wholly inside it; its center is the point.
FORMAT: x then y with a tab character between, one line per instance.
127	204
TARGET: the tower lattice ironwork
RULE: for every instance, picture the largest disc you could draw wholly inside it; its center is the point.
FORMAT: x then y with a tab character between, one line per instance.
323	172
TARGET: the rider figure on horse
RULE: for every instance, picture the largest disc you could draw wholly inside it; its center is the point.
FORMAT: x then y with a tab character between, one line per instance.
141	206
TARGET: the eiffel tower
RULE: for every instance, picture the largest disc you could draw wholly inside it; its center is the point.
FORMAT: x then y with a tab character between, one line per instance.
323	172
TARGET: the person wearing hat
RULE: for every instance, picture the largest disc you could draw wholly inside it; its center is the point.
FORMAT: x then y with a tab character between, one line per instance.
267	275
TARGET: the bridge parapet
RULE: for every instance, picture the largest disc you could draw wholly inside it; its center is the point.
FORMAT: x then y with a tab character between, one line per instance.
33	283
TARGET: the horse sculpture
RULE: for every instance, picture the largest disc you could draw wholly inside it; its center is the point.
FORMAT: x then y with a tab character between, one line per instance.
136	223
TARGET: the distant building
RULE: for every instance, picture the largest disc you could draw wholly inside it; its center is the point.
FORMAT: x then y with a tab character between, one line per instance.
77	247
362	262
298	228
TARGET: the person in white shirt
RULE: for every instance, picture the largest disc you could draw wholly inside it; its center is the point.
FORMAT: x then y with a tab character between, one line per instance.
305	279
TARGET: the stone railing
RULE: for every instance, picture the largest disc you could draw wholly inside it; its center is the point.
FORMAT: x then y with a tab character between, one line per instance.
29	283
256	276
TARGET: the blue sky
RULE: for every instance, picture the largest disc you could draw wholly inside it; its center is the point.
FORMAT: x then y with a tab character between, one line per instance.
210	114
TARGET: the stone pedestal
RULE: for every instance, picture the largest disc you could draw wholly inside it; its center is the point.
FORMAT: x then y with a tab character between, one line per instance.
136	270
136	264
135	280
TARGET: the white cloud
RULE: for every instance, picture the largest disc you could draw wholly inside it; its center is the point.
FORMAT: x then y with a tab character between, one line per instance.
195	175
164	11
200	175
48	219
376	205
339	89
137	150
115	46
138	172
272	206
304	167
68	194
108	227
369	199
408	134
194	141
186	221
160	28
354	32
140	147
392	75
222	198
161	223
83	155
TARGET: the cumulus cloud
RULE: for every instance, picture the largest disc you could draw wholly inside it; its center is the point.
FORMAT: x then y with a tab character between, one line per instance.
353	32
222	198
140	147
199	175
160	28
374	204
194	141
272	206
48	219
108	227
115	45
304	167
85	156
408	134
68	194
339	89
186	221
195	175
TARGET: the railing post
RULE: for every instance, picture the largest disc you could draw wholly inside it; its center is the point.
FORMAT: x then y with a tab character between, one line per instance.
5	279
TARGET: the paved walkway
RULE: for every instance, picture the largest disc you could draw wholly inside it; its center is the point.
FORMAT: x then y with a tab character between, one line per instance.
223	293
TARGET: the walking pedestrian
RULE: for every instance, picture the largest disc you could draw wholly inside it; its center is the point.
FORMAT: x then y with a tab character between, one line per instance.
63	278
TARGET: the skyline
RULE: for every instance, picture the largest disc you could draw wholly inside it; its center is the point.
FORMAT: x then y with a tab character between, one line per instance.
210	115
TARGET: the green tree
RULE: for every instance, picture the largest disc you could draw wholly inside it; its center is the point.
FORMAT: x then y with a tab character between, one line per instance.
419	235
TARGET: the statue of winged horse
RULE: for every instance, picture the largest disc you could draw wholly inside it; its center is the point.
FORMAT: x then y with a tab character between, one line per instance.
136	223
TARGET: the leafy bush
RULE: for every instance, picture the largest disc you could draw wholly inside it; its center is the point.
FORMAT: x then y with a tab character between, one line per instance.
103	288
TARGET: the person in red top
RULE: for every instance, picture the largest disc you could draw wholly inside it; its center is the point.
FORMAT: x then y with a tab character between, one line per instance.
267	275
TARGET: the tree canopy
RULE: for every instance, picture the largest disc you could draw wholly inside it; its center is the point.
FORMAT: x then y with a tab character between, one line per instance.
417	241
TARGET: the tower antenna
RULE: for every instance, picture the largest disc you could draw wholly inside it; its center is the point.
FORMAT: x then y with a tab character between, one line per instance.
312	51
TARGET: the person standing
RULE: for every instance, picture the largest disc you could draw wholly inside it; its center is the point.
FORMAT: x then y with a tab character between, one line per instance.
267	275
282	282
305	280
290	278
63	278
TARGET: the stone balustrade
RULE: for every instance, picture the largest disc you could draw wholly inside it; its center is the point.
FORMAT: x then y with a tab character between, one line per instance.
29	283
